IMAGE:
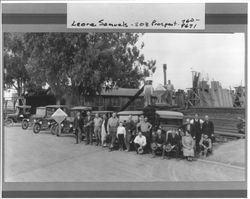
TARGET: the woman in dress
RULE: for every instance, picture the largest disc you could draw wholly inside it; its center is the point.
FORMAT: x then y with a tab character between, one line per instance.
104	130
188	144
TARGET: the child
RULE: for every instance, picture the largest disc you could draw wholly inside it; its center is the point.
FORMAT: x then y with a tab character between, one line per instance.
121	133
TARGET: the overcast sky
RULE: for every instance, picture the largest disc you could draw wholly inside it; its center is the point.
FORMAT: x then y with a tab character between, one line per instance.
221	56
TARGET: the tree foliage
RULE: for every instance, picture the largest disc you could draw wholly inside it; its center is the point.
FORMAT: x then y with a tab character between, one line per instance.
82	63
15	58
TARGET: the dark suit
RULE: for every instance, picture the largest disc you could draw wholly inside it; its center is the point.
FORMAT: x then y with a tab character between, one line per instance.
196	132
174	140
88	123
158	142
208	128
78	126
130	133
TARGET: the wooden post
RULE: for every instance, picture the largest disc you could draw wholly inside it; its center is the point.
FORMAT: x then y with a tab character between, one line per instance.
59	129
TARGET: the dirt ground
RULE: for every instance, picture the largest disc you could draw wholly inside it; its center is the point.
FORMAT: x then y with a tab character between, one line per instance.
43	157
232	153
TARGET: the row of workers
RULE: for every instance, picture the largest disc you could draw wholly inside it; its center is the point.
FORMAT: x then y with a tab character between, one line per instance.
194	135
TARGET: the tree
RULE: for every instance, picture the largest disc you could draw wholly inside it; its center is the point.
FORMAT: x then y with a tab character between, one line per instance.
15	58
82	63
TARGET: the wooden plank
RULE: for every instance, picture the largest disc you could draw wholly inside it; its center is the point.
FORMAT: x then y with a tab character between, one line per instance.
230	134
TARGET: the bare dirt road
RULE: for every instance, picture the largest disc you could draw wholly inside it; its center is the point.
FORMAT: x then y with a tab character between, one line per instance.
44	157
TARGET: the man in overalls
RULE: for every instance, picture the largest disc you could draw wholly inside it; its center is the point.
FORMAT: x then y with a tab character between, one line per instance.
113	123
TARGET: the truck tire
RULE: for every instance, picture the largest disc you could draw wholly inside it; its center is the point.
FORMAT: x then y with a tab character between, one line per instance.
9	122
53	129
25	124
36	128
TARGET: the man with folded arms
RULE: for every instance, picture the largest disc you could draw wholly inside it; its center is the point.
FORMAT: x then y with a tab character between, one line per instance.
145	128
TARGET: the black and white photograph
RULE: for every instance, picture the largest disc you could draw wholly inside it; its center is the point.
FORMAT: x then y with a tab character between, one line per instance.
105	100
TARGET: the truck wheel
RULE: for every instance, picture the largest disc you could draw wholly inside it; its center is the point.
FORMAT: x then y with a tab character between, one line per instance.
9	122
53	129
36	128
25	124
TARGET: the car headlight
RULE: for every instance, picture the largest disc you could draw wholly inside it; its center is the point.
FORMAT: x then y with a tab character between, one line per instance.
21	115
35	120
62	125
70	125
48	123
28	120
40	122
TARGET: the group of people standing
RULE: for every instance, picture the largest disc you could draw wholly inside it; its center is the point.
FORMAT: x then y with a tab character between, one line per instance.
195	136
198	136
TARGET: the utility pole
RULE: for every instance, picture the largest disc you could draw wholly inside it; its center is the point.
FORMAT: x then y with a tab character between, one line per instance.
165	73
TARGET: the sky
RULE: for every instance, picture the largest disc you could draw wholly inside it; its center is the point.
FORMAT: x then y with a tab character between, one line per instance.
220	57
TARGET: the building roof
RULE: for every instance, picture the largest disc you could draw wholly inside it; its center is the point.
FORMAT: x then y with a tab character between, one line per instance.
130	113
170	114
84	108
23	106
121	92
126	92
56	106
41	107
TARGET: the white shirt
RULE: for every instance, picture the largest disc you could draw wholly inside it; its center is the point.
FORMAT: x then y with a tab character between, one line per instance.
140	140
121	130
192	121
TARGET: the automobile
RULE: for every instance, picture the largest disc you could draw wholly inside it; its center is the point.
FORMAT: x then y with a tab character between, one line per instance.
67	124
21	113
46	122
168	120
124	115
40	113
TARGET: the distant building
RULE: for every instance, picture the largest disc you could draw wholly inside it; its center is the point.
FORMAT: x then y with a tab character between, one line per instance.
115	99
